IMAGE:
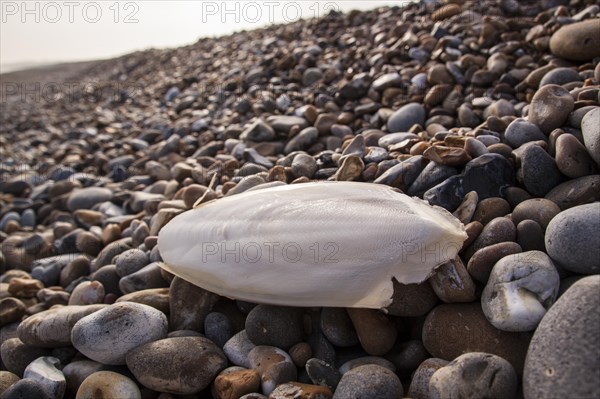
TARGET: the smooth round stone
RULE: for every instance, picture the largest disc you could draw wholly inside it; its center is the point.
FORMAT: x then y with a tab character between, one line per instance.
323	373
45	371
108	277
419	384
26	389
86	198
11	310
88	243
520	290
108	385
337	327
576	192
412	300
562	360
181	366
52	328
560	76
538	173
376	333
572	158
498	230
237	349
304	165
475	375
578	41
87	293
189	305
274	326
99	336
590	127
550	107
274	366
572	239
218	328
530	236
234	382
131	261
539	210
361	361
405	117
491	208
16	355
369	381
452	283
520	131
451	330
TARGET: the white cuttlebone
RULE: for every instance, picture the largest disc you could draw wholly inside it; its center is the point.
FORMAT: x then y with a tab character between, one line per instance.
378	232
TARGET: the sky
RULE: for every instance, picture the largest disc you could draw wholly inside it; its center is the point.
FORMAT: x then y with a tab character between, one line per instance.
44	32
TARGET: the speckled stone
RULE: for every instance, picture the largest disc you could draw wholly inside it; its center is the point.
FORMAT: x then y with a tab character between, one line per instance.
452	283
419	385
274	366
474	375
572	239
45	370
234	382
181	366
578	41
369	381
99	336
337	327
562	360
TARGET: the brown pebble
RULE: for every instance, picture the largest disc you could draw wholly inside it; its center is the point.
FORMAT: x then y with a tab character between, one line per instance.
473	230
297	390
550	107
538	209
234	382
450	156
300	353
88	243
576	192
375	331
530	236
24	288
451	330
482	262
467	208
6	380
412	300
516	195
491	208
452	283
578	41
11	310
572	158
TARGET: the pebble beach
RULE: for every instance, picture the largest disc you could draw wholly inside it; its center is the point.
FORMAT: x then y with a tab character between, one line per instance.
488	109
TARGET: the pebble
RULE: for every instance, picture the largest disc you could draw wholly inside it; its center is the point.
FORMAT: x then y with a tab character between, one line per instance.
337	327
108	385
562	360
76	372
234	382
591	133
474	375
181	366
483	260
189	305
419	385
452	283
405	117
87	293
86	198
16	355
218	328
26	389
538	173
148	277
11	310
576	192
237	348
322	373
99	336
375	331
52	328
361	361
520	132
578	41
550	107
572	240
274	366
489	209
451	330
520	289
497	230
274	326
369	381
7	379
539	210
572	158
560	76
130	261
300	391
45	370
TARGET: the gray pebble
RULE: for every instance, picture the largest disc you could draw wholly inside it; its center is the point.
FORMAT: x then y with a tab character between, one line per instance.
237	348
590	126
130	261
100	336
218	328
562	359
146	278
322	373
520	131
572	239
45	370
538	173
274	326
86	198
337	327
405	117
26	389
367	382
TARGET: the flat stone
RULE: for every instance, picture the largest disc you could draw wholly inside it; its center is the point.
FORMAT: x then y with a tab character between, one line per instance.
576	192
86	198
16	355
